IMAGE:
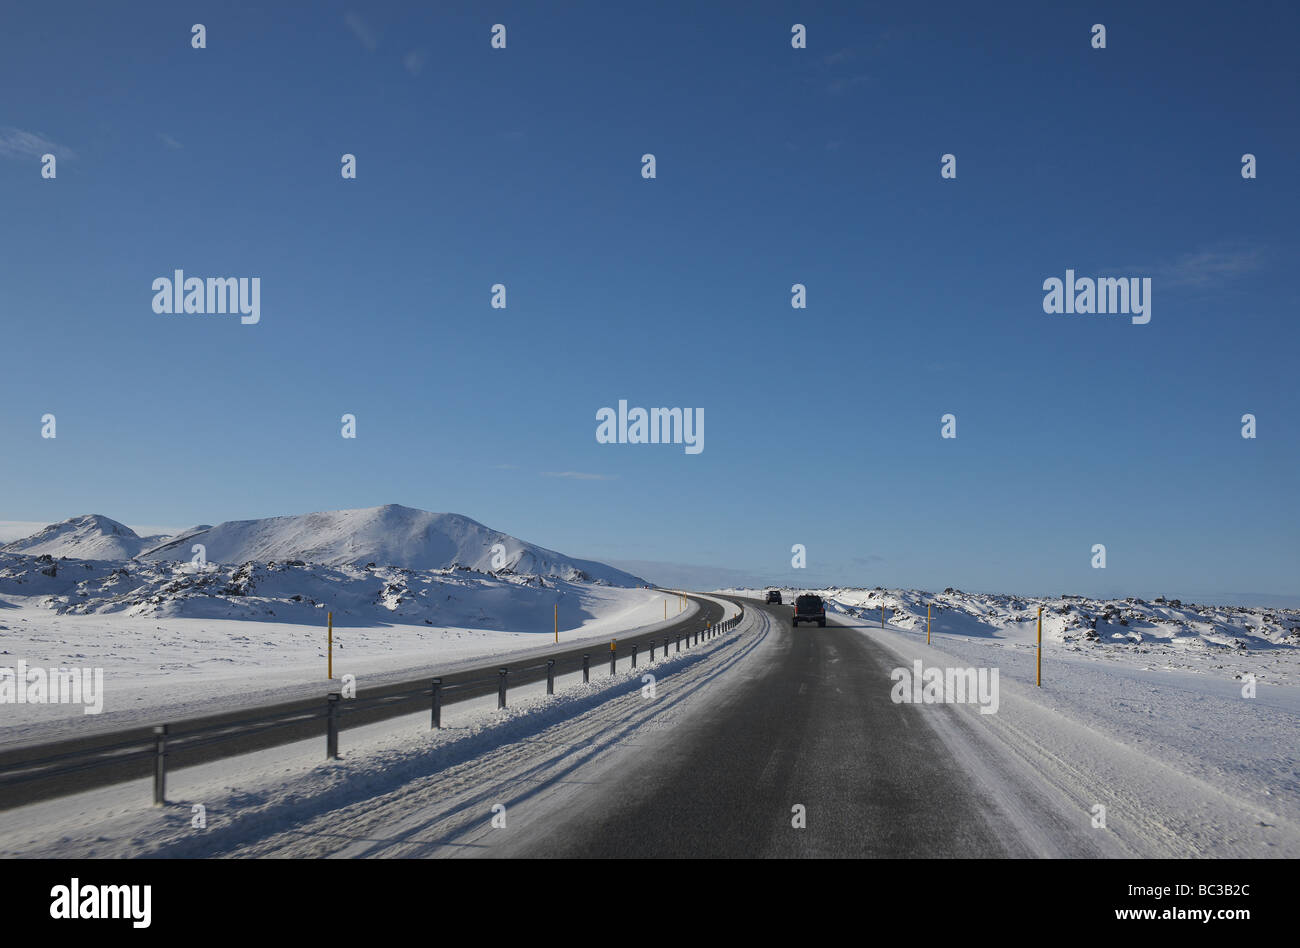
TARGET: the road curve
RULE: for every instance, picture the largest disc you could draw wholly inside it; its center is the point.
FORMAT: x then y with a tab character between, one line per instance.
124	755
813	727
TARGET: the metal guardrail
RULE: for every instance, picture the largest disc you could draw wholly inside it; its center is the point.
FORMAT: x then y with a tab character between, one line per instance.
164	742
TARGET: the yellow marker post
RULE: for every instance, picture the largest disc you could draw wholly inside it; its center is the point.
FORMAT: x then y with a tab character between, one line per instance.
330	619
1040	646
882	617
927	623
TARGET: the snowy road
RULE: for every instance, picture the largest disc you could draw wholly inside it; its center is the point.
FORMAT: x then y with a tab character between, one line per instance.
810	735
715	765
762	742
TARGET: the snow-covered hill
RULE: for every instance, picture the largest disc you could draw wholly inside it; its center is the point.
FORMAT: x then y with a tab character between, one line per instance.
1183	632
88	537
406	588
288	591
169	635
391	535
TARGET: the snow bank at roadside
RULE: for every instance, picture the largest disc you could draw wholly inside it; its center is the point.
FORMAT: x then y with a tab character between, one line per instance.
1224	640
173	642
398	784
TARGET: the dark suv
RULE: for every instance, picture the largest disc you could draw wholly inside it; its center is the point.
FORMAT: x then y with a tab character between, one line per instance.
810	608
774	595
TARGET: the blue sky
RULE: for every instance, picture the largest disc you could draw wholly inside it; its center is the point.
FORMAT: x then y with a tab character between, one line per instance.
775	166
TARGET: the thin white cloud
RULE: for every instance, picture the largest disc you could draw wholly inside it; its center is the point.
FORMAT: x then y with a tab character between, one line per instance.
11	530
837	86
16	143
169	141
362	32
1206	268
578	475
156	531
1210	267
414	61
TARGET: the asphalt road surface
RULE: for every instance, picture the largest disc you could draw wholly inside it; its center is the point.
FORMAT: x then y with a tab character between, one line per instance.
813	726
36	772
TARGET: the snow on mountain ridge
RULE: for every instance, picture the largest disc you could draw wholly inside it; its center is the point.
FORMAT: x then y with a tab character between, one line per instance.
390	535
89	536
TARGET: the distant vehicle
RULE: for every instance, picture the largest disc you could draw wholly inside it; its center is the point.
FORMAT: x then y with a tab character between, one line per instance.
774	595
810	608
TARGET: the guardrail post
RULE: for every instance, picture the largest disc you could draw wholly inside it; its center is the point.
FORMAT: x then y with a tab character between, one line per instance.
332	727
613	669
586	669
436	719
160	765
550	676
652	649
634	655
501	689
679	641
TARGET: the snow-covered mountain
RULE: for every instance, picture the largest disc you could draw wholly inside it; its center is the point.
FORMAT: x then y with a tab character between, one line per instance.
88	537
391	535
